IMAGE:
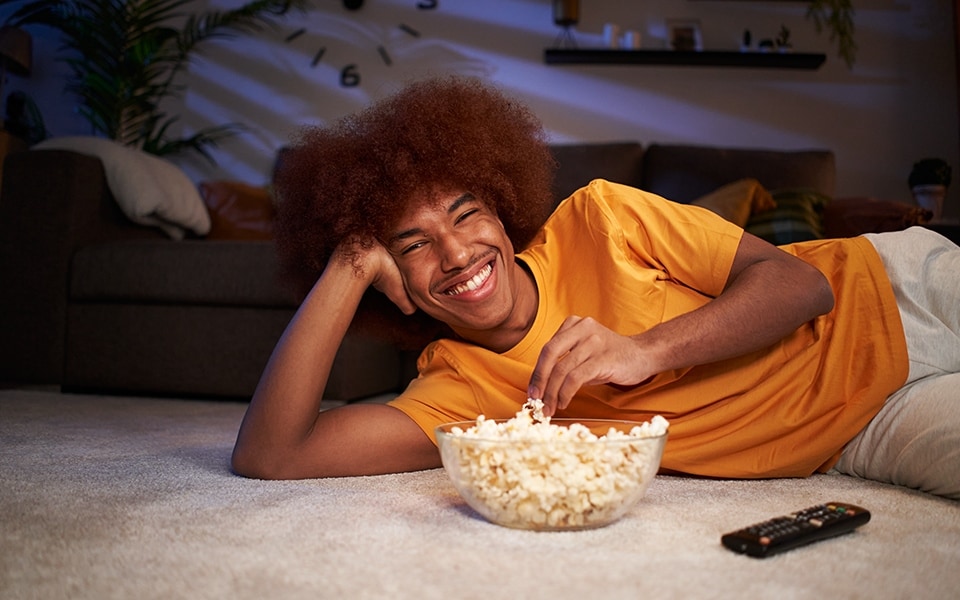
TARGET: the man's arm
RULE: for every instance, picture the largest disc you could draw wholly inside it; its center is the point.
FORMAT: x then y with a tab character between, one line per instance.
768	295
284	434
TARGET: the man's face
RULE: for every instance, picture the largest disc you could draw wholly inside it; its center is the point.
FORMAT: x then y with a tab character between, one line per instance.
457	262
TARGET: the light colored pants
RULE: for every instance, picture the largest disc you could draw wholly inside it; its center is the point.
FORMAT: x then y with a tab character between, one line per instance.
914	440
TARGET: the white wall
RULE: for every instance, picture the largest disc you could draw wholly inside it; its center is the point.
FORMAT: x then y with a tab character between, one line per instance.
897	105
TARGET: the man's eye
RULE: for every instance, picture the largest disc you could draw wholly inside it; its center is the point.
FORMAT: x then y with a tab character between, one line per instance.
412	247
466	214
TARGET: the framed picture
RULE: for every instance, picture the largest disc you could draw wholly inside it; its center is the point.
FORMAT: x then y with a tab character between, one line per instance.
685	35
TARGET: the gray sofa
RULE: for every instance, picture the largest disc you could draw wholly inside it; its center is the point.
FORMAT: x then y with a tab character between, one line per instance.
94	303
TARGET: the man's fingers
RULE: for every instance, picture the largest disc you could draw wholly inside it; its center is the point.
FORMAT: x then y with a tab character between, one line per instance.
543	373
553	352
572	373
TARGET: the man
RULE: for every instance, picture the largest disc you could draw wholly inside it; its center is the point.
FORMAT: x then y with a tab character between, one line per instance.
767	362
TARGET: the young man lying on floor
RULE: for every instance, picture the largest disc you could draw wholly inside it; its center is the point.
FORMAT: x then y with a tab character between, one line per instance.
767	361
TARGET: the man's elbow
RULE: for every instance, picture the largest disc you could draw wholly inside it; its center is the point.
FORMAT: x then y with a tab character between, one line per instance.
821	293
254	465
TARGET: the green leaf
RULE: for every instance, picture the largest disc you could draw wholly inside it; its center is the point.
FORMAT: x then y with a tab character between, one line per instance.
125	56
836	16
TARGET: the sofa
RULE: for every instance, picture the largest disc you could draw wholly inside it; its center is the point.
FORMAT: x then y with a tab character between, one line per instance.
95	299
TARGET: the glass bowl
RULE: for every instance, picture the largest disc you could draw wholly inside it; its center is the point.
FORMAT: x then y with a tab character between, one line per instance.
551	484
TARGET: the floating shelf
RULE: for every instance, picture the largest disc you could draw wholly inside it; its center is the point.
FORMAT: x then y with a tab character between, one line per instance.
706	58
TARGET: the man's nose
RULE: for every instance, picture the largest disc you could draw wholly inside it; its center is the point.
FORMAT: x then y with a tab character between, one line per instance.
455	253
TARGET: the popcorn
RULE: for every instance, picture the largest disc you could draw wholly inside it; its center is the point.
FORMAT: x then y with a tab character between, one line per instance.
535	406
549	476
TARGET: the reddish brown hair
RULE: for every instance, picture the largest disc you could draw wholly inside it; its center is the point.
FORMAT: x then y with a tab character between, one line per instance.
352	181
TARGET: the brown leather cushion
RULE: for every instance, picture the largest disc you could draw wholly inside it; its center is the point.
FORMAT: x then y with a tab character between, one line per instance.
849	217
238	211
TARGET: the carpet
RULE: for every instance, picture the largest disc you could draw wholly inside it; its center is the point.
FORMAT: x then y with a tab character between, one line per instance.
118	497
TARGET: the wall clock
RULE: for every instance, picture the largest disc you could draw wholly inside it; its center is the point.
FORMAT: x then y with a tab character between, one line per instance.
349	41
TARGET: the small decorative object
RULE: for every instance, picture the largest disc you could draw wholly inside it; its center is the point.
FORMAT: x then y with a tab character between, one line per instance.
685	35
611	35
746	42
783	40
566	14
632	40
833	17
928	182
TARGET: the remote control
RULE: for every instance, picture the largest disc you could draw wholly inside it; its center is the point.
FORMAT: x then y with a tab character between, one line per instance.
796	529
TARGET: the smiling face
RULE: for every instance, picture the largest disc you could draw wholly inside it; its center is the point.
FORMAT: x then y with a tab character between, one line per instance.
458	267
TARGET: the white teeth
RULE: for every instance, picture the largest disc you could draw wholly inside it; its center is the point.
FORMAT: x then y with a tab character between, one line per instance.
472	283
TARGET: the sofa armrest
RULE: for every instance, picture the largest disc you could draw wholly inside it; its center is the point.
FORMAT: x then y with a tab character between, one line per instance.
51	203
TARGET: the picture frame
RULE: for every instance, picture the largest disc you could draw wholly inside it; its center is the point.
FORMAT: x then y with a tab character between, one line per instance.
685	35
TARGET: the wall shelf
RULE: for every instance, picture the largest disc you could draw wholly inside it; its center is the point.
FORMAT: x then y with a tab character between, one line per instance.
707	58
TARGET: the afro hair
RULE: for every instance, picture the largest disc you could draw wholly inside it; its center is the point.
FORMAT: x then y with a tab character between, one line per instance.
353	180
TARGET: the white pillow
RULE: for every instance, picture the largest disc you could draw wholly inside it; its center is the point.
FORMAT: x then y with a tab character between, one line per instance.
150	190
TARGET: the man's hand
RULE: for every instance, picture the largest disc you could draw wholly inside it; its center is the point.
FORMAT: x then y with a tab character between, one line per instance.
382	273
584	352
769	294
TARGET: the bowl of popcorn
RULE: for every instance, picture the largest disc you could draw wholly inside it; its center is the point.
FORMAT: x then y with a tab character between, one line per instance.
534	472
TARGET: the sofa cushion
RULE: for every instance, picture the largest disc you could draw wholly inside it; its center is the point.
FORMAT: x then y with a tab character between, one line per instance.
579	164
798	217
684	173
226	273
737	201
150	191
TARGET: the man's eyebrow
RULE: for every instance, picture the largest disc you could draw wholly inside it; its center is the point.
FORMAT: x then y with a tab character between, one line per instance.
467	197
456	204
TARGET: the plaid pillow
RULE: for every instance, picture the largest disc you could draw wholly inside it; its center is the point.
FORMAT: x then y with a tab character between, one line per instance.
798	217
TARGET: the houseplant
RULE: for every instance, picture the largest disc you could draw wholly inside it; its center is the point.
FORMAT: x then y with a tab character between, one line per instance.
928	182
836	16
125	57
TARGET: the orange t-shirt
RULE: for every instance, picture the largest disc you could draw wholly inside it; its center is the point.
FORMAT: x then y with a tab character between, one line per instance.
631	260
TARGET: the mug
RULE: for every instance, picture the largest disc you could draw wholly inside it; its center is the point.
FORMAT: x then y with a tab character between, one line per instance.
611	35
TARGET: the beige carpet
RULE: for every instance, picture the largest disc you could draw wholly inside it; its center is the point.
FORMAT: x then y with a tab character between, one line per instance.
113	497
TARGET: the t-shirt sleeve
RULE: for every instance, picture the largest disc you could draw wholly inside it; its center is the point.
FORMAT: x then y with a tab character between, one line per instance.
439	379
692	245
